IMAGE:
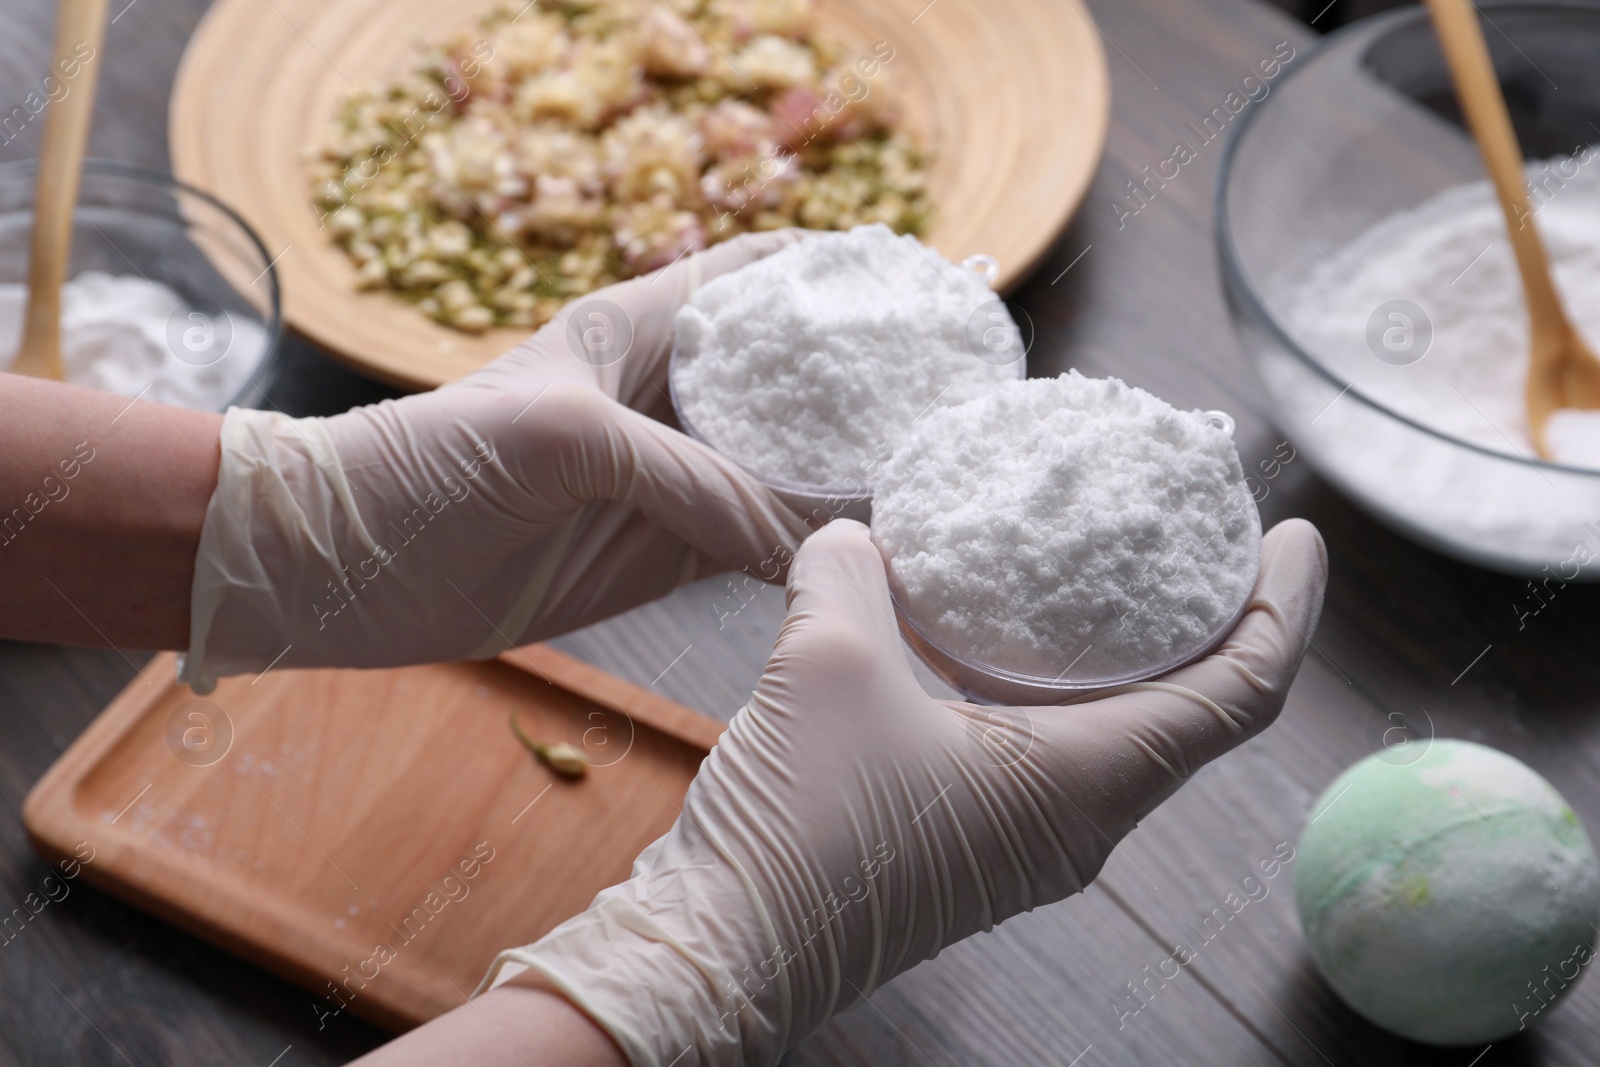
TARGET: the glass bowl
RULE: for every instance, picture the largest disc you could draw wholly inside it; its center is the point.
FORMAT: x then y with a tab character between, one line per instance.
135	221
820	504
1366	126
984	683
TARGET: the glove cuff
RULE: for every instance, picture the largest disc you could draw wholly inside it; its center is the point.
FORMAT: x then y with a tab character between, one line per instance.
649	968
280	493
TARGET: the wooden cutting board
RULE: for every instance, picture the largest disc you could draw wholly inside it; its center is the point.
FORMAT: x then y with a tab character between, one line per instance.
374	836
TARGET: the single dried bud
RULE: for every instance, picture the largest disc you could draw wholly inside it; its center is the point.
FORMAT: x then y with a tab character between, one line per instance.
564	759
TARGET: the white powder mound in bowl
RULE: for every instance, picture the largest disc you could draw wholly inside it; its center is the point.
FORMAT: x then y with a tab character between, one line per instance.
1423	316
1462	365
1072	530
807	366
129	335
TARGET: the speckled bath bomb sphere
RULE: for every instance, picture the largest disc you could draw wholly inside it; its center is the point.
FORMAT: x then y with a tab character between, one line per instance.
1434	890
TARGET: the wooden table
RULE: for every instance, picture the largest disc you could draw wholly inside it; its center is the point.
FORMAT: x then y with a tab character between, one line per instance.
91	981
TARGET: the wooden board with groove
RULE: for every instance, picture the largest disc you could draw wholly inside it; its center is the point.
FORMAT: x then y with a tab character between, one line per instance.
1011	96
374	836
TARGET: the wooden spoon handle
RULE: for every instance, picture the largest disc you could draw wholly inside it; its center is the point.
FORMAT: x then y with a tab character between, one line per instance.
79	23
1478	89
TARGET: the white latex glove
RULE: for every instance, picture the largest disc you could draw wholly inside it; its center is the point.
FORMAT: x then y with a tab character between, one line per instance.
849	826
532	497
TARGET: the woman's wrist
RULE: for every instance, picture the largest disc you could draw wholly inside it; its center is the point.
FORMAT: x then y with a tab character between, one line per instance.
587	1042
102	500
512	1026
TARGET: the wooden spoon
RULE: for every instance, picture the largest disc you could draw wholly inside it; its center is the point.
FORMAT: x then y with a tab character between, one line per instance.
66	130
1562	371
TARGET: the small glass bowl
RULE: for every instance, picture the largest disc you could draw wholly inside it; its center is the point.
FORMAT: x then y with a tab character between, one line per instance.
1363	127
984	683
822	503
132	220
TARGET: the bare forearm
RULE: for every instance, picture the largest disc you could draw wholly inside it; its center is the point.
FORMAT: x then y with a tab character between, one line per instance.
101	505
512	1026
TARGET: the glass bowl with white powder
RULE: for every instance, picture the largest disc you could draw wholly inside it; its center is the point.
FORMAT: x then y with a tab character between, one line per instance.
169	295
808	367
1063	535
1372	284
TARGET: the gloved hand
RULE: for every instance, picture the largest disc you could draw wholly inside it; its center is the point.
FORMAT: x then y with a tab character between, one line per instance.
848	826
532	497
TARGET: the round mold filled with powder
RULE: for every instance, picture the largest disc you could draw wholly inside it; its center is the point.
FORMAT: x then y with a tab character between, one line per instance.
808	367
1065	534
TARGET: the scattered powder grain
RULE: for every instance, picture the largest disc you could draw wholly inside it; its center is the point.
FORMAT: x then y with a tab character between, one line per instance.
1059	518
805	365
123	334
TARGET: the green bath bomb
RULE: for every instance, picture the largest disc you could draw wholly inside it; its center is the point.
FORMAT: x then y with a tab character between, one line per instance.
1451	900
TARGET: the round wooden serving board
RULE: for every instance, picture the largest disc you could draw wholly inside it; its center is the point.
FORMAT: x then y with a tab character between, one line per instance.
1011	96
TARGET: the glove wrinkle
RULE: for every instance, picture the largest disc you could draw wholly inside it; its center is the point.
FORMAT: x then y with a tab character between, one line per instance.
1002	832
1203	701
1155	757
627	469
1235	658
939	893
520	613
785	1022
979	911
326	457
862	830
1032	840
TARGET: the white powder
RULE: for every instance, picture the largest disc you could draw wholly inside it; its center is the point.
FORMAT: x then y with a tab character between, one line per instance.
121	333
1450	256
804	365
1068	522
